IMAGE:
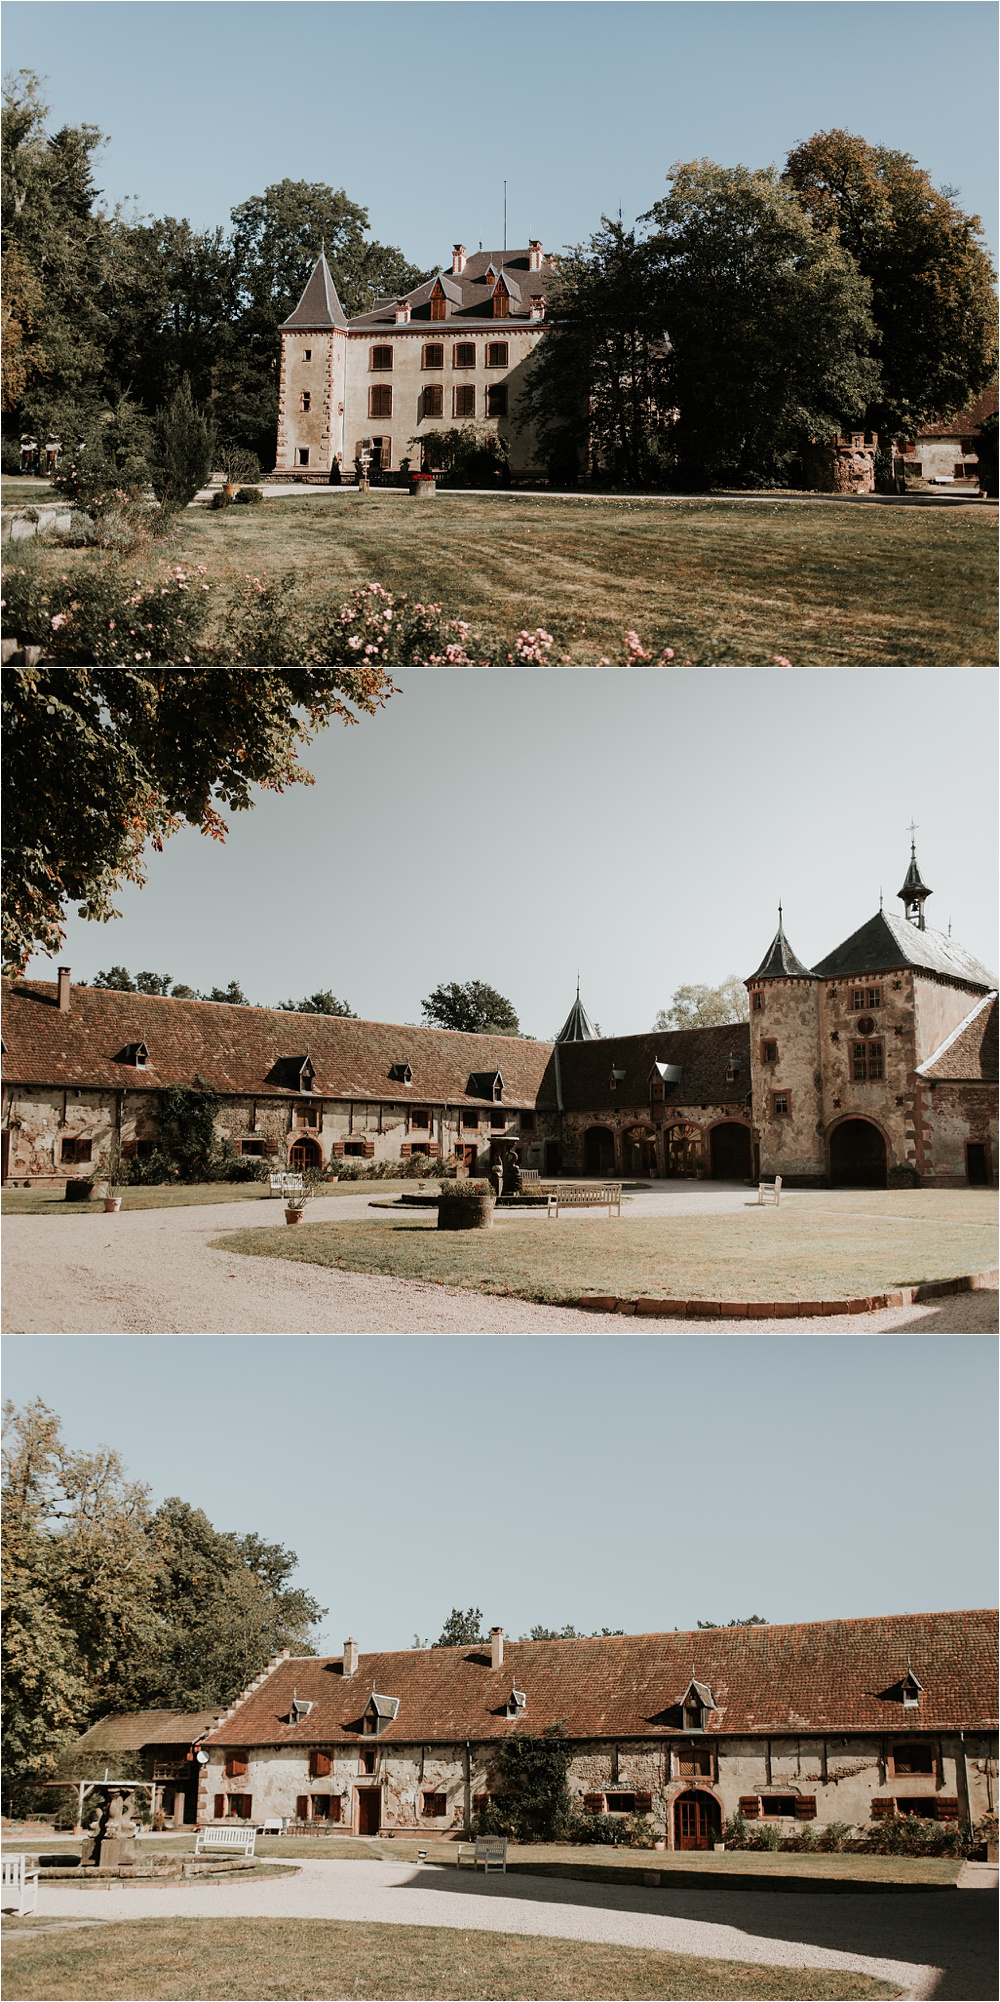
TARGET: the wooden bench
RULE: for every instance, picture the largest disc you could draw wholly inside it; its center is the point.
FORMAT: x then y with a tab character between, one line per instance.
530	1175
489	1850
769	1192
20	1884
573	1195
228	1835
283	1185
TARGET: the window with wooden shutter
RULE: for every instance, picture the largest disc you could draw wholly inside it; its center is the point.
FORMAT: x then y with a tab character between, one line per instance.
302	1807
594	1803
236	1765
695	1761
480	1803
380	400
220	1807
496	354
463	354
465	400
433	400
433	1804
621	1803
433	356
320	1765
776	1806
496	399
947	1807
644	1803
913	1758
883	1810
381	358
805	1807
750	1807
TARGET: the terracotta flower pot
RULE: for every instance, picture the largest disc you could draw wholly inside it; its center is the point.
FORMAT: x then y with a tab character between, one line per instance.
293	1216
112	1205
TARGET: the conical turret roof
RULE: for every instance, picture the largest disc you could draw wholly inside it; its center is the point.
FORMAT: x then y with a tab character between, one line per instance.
913	888
319	305
779	961
578	1027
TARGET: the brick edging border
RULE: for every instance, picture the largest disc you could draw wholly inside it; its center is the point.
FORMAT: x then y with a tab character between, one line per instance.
787	1310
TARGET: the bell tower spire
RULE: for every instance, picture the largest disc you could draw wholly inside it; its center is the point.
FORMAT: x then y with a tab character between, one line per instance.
914	892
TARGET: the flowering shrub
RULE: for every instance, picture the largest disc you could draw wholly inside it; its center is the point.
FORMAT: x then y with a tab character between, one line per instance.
532	649
381	628
96	617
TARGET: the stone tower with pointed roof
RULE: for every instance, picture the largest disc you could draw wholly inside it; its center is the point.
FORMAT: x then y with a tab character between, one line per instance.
578	1027
878	1063
312	391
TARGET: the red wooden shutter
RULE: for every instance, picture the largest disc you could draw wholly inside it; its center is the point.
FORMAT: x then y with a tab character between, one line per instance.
335	1807
805	1807
246	1806
750	1807
220	1806
947	1808
320	1765
302	1807
883	1810
594	1802
644	1803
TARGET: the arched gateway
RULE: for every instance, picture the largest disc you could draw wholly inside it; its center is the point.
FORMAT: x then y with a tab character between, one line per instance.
304	1154
697	1821
599	1151
730	1152
858	1158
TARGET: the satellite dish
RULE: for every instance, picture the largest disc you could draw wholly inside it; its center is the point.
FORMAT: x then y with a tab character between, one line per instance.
202	1758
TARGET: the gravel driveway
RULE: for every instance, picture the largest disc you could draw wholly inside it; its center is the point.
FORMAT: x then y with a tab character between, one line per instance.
153	1272
921	1941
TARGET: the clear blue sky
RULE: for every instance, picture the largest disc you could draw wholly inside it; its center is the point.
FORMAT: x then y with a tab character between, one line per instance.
640	824
635	1482
420	110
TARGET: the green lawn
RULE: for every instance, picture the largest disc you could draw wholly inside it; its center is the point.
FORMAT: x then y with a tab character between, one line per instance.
719	580
319	1958
52	1202
815	1247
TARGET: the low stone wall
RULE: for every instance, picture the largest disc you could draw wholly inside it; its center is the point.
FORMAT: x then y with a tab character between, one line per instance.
21	524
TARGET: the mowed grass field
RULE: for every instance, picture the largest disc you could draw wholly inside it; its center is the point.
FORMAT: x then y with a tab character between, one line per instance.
815	1247
52	1202
723	581
132	1960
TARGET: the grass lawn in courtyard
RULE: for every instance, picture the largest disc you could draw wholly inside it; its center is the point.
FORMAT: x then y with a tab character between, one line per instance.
52	1202
720	580
817	1246
271	1958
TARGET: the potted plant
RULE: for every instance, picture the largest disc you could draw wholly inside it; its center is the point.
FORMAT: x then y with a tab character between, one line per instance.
466	1205
423	485
296	1199
115	1177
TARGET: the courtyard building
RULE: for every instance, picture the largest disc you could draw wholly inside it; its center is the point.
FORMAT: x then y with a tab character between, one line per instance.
877	1067
847	1721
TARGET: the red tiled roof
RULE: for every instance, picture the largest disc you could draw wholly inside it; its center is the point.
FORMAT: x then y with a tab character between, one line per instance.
964	422
236	1049
130	1730
831	1675
971	1055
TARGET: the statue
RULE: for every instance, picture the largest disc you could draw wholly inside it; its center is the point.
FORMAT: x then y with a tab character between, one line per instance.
113	1832
495	1177
513	1167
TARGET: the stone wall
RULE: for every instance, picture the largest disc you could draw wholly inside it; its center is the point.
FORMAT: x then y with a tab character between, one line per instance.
791	1143
320	429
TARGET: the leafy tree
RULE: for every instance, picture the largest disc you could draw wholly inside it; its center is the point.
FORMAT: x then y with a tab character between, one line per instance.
171	309
471	1006
461	1629
754	1621
120	978
931	280
185	1118
531	1800
23	303
986	446
569	1633
323	1002
233	994
599	385
699	1007
101	762
768	321
113	459
471	454
185	449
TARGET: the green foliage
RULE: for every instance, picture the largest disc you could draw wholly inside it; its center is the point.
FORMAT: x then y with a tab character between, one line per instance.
472	455
389	628
531	1800
471	1005
754	1621
120	980
233	995
186	1116
220	499
461	1629
700	1007
147	750
95	616
185	449
112	462
323	1002
768	320
249	497
608	1830
987	455
932	283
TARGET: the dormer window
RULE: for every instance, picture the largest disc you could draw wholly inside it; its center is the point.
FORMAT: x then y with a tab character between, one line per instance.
912	1691
299	1710
401	1073
135	1054
517	1703
486	1084
379	1711
733	1069
697	1704
617	1078
661	1078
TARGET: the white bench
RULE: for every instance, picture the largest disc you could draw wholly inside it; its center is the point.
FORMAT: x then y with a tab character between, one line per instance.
283	1185
274	1825
489	1850
769	1192
227	1835
576	1196
20	1884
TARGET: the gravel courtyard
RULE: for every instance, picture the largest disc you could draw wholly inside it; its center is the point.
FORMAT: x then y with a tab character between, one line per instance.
933	1944
155	1272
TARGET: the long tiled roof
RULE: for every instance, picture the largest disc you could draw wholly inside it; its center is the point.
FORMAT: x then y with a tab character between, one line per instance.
833	1675
970	1054
254	1050
886	942
470	292
702	1054
129	1731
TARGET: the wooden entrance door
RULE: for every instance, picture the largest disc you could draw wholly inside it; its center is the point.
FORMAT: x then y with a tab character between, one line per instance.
369	1810
976	1168
696	1821
469	1154
730	1152
857	1156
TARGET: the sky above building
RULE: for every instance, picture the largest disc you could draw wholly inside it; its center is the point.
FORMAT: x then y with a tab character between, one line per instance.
640	1482
586	104
639	826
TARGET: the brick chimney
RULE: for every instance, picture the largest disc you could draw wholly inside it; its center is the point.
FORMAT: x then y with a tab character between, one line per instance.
496	1647
534	254
64	972
458	260
350	1657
